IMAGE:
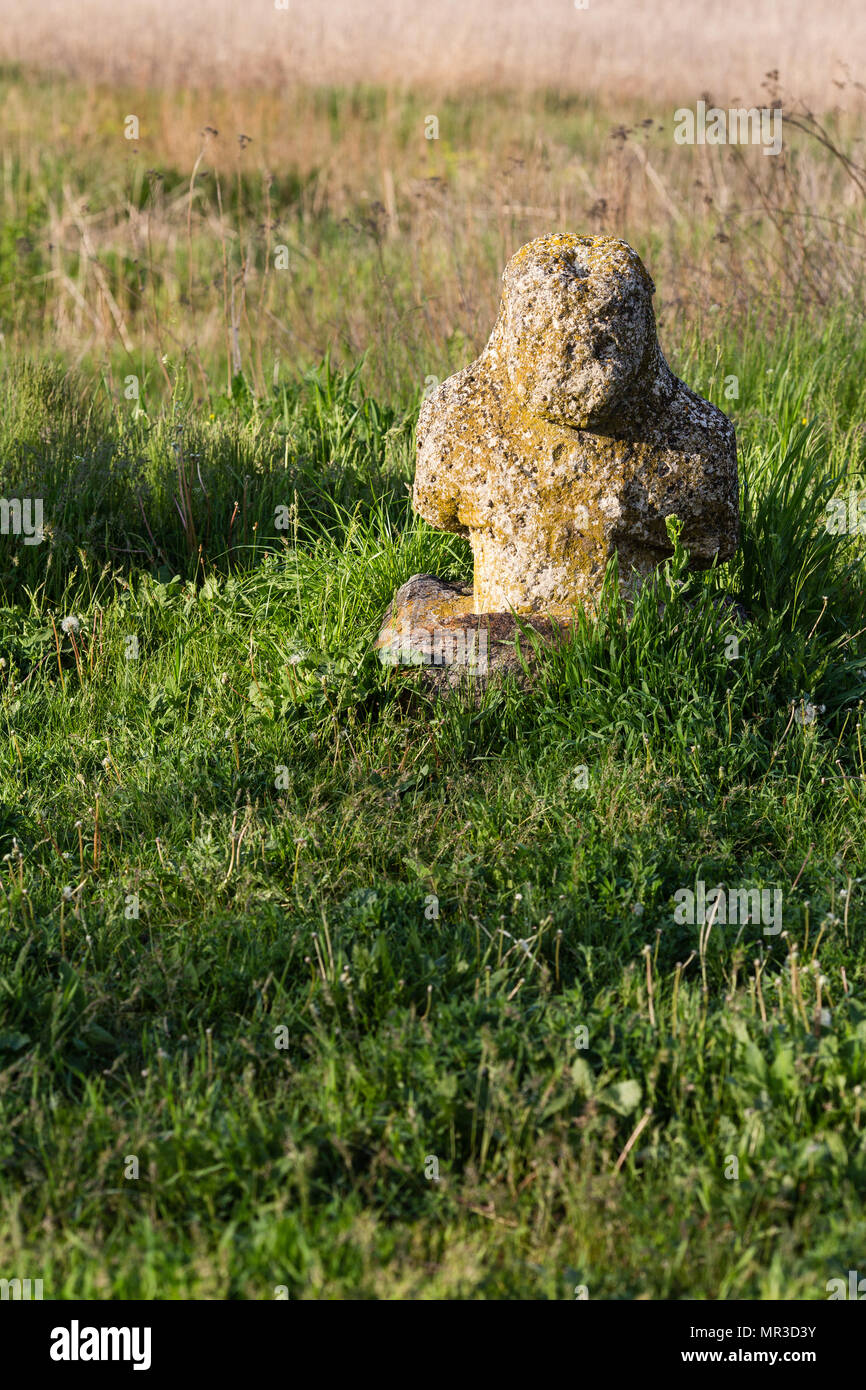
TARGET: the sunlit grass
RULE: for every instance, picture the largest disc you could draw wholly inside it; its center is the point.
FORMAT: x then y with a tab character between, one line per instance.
225	827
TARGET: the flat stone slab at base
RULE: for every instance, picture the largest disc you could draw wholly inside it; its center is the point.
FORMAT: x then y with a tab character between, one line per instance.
430	624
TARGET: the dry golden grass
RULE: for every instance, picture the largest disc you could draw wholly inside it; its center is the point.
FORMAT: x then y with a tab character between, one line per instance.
664	50
120	252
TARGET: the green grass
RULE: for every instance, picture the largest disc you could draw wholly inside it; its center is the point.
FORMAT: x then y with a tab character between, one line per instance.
420	899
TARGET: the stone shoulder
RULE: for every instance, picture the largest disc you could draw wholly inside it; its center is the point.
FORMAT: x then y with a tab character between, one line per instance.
453	425
690	413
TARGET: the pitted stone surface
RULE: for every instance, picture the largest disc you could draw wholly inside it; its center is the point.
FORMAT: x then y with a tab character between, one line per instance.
570	438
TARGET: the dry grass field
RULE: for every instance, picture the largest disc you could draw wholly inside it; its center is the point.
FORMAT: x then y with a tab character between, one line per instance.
662	50
308	130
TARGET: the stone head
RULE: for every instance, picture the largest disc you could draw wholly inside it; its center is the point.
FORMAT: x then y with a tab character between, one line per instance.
576	330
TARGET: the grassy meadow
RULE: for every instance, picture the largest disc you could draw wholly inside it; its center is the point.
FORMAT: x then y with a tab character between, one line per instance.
311	985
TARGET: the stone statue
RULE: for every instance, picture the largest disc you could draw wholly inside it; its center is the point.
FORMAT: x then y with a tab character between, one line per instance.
569	440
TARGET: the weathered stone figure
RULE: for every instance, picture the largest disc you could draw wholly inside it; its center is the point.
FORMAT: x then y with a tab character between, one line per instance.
570	438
